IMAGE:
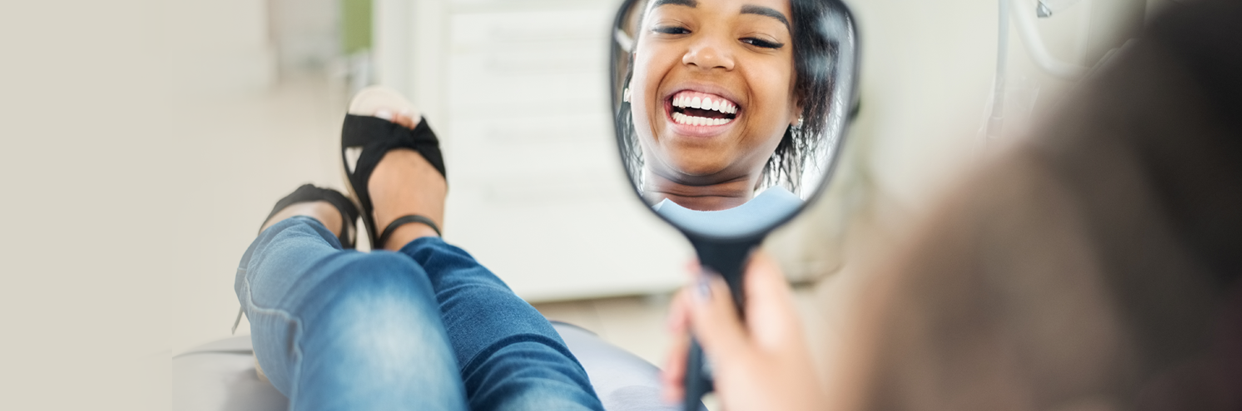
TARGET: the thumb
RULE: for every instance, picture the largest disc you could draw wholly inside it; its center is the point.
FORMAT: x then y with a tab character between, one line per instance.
715	322
769	303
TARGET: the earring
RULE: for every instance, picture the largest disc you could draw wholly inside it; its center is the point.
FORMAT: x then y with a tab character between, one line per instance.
798	125
625	95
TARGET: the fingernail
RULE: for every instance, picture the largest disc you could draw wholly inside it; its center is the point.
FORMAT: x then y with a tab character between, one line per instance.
384	114
703	288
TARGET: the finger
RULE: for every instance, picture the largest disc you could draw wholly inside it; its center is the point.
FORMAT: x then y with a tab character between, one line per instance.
715	322
767	292
693	268
769	303
678	320
673	374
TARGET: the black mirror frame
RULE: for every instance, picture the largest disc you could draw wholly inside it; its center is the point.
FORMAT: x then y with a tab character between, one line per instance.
849	92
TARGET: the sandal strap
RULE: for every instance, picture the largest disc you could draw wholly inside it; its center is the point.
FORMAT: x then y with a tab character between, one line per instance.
309	193
377	137
407	219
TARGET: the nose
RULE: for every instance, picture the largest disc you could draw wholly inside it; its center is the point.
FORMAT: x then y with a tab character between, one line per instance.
707	54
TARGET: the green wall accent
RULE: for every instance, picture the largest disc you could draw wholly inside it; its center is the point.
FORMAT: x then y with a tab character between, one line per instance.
355	25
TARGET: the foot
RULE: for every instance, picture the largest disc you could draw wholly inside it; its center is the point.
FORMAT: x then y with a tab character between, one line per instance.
322	211
403	182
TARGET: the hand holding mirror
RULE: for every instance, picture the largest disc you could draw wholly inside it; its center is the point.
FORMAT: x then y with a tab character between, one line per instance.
729	116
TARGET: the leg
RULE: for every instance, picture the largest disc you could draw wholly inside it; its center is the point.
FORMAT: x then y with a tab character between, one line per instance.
338	329
511	358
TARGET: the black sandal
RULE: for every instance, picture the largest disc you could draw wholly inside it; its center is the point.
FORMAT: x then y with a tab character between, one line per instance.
308	193
375	137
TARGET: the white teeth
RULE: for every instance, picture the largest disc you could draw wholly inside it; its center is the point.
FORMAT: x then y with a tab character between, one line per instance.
698	121
721	105
703	103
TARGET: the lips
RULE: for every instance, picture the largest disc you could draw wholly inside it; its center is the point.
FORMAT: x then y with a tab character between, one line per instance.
698	109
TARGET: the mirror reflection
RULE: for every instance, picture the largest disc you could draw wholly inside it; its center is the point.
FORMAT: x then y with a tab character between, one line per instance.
729	113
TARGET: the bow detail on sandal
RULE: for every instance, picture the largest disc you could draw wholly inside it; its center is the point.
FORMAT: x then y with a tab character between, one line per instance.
367	139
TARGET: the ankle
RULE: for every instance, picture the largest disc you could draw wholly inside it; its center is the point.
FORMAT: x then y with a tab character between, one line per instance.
404	234
321	211
402	184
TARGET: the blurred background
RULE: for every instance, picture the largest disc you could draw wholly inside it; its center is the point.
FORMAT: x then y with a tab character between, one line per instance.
146	140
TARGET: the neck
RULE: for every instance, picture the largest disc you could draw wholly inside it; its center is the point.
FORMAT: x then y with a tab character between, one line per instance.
713	196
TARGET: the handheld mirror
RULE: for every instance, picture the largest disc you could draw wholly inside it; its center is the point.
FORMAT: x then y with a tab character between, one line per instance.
729	116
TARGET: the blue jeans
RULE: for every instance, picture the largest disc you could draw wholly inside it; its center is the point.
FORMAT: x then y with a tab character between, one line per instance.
425	328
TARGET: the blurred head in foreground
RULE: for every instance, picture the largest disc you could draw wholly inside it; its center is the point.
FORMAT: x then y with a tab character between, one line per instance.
1096	266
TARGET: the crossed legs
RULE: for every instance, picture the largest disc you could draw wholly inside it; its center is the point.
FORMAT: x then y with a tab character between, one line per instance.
423	328
418	325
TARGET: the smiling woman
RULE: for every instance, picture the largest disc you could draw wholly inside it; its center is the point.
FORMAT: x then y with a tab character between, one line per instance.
724	99
729	116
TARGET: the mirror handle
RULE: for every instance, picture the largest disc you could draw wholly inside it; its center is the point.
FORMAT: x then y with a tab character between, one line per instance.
698	382
727	258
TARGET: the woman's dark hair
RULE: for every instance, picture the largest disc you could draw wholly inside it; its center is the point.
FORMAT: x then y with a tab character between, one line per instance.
814	52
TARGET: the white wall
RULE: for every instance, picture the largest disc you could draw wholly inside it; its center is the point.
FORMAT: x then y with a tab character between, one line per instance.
929	69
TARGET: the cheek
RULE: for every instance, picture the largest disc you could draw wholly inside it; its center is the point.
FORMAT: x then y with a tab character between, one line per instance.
640	99
644	86
778	87
778	93
640	108
645	80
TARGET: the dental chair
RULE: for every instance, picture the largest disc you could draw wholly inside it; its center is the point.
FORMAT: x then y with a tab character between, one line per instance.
220	376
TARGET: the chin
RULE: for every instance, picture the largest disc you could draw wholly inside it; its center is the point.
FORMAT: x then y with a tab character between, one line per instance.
698	169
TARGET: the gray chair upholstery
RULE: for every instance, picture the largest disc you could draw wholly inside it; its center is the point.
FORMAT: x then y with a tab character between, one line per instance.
220	376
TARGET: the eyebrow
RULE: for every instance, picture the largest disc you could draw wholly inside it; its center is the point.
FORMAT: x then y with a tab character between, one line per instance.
766	11
687	3
746	9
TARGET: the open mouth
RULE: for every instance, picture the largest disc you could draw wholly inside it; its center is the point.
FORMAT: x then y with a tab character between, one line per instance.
693	108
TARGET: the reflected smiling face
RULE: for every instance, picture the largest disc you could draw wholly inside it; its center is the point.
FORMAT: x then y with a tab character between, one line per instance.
712	89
